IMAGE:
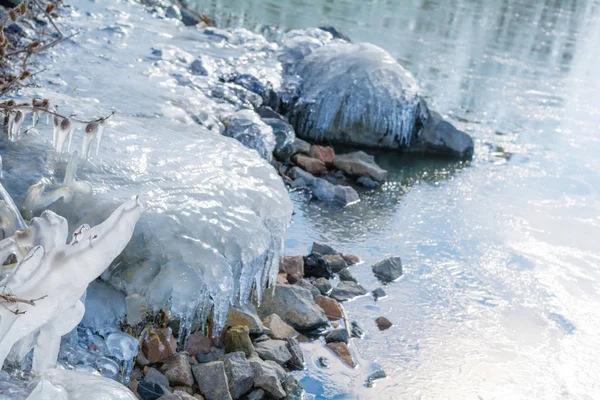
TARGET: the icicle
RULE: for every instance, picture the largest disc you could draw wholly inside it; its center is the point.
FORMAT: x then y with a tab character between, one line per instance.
65	129
11	122
17	218
101	127
91	133
57	120
16	125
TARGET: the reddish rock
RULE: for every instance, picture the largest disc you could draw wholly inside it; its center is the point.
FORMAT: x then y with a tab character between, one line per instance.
323	153
159	344
383	323
293	266
343	352
309	164
198	343
332	309
282	278
350	259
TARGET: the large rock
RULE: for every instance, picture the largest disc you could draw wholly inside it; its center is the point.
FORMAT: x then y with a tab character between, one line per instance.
159	344
347	290
293	266
316	266
279	329
245	315
380	107
331	307
441	137
274	350
212	380
284	138
268	376
309	164
342	350
178	370
237	338
388	270
198	343
295	305
360	163
246	127
239	374
322	249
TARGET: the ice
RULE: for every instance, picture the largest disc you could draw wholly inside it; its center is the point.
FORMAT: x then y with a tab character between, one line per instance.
56	274
104	308
246	127
122	346
356	94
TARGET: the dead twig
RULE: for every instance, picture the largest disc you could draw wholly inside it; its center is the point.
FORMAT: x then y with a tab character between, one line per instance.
48	16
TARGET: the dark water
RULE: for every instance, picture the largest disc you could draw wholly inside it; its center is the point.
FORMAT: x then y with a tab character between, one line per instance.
500	296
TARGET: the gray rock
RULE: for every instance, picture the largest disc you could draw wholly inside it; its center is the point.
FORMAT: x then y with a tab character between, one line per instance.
335	261
274	350
298	173
326	191
440	137
215	354
279	329
261	338
154	376
178	370
347	290
360	163
388	270
379	374
316	266
300	146
307	285
267	112
338	335
149	391
322	249
268	376
379	293
335	33
245	315
297	360
212	380
200	66
323	285
345	195
323	362
367	182
295	305
173	12
247	128
239	374
189	18
284	138
293	388
257	394
346	275
357	331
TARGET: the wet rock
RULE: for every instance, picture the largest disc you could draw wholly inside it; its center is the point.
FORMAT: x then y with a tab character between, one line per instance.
309	164
347	290
300	146
315	266
173	11
379	374
307	285
253	84
379	293
142	360
257	394
343	352
247	128
295	305
198	343
284	138
189	18
326	191
159	344
178	370
345	195
293	388
323	362
388	270
338	335
239	374
351	259
335	261
268	376
279	329
149	391
155	377
212	380
245	315
323	285
325	154
215	354
237	338
360	163
267	112
367	182
293	266
322	249
440	137
297	360
274	350
336	33
383	323
346	275
332	309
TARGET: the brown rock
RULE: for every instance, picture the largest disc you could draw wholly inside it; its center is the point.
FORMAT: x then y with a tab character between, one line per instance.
360	163
245	315
383	323
237	338
332	308
309	164
279	329
323	153
178	370
351	259
282	278
343	352
293	266
159	344
198	343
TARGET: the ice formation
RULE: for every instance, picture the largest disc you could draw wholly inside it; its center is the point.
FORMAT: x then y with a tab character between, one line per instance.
56	274
60	384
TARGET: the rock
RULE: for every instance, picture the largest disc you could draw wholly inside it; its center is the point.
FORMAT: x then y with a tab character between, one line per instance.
300	174
239	374
297	360
335	261
379	374
257	394
293	266
173	11
189	18
178	370
158	344
155	377
346	275
185	396
261	338
335	33
268	376
441	137
323	285
345	195
309	164
274	350
215	354
351	259
237	338
332	309
149	391
245	315
367	182
347	290
253	84
326	191
284	138
323	362
325	154
383	323
388	270
267	112
142	360
307	285
315	266
279	329
322	249
379	293
212	380
293	388
343	352
357	331
247	128
282	278
300	147
295	305
201	66
360	163
338	335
